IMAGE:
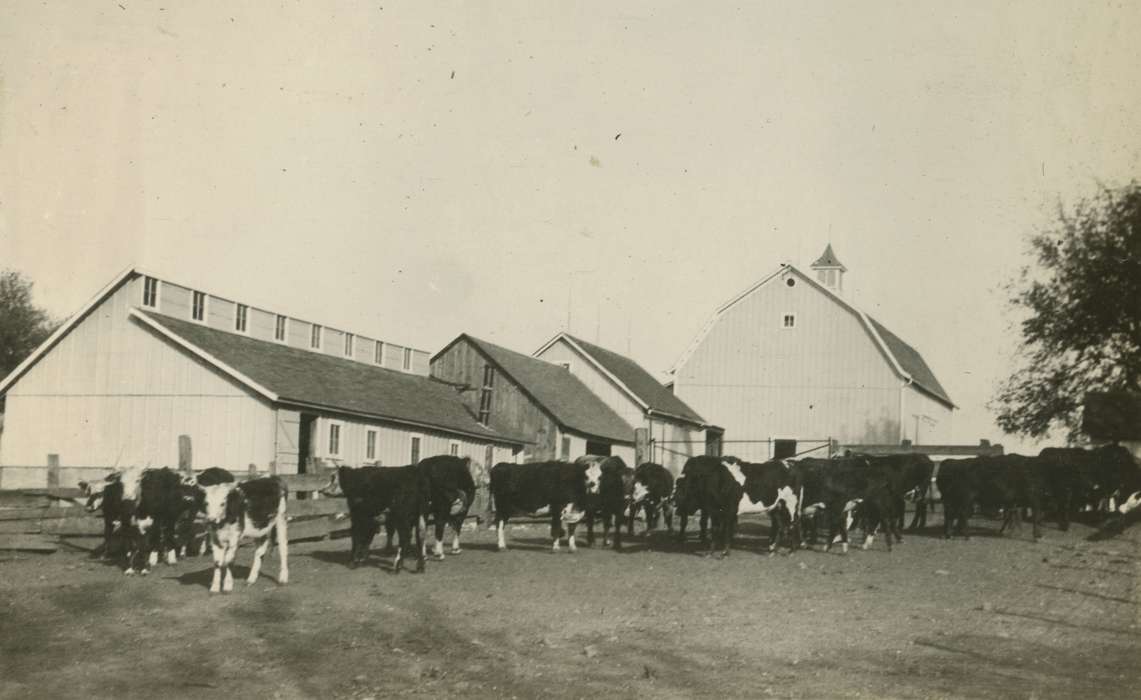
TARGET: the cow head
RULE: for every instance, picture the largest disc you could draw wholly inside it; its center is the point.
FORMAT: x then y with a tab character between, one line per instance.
222	503
93	493
333	488
640	492
593	477
1130	503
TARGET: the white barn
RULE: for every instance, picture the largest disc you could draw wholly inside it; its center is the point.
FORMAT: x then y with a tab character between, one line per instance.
148	360
675	430
791	359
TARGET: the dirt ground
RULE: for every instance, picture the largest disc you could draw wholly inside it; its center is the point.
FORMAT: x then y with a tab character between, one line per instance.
989	617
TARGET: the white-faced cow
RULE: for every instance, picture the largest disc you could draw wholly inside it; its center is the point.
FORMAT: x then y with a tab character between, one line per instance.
253	509
562	487
611	500
771	485
652	493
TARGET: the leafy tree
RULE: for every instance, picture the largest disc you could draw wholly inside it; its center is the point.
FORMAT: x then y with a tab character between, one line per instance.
1082	306
22	326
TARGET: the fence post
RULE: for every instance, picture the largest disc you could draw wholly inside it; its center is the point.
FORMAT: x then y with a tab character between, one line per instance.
185	454
53	471
641	446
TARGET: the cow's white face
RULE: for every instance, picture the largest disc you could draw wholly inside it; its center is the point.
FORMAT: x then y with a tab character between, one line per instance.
593	478
1130	503
216	497
640	492
572	515
333	488
94	494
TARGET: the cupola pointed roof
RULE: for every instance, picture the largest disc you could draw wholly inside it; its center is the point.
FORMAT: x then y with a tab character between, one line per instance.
829	259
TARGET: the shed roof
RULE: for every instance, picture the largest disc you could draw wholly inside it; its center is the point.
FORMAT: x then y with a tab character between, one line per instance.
295	376
641	383
562	394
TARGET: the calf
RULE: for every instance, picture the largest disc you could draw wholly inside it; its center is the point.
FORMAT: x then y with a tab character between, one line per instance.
615	491
451	490
106	496
1005	483
402	494
771	483
653	489
714	486
253	509
561	487
839	487
194	502
164	500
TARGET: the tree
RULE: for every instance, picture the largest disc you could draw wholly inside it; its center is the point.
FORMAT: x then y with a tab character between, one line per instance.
23	326
1082	306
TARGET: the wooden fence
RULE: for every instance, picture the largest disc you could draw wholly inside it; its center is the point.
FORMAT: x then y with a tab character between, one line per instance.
41	520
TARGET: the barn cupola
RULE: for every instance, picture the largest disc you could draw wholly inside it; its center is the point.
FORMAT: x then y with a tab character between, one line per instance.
830	271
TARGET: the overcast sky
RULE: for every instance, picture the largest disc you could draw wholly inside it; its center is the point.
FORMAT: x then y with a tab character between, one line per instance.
415	171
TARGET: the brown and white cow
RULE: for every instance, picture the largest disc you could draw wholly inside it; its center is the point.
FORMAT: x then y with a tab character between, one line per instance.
254	510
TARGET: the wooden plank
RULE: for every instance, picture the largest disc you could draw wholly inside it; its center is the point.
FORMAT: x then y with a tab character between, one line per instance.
73	526
86	543
65	493
949	450
39	513
305	482
317	528
28	543
13	527
324	506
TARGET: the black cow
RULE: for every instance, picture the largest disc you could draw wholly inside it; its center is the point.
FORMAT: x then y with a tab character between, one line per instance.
402	493
1077	478
451	490
615	492
106	496
1005	483
910	477
714	486
253	509
561	487
163	502
839	487
653	490
771	485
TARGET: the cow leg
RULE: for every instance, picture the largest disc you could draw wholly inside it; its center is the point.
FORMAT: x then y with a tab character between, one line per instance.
704	524
500	526
570	538
589	528
668	514
262	544
219	553
281	530
171	542
419	527
441	522
228	561
606	530
457	526
682	518
108	534
389	530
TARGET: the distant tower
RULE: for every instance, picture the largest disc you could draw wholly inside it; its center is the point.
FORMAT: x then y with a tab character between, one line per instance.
830	271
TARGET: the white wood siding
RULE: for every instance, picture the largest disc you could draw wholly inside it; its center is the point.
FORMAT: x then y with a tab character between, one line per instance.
934	422
394	444
111	393
823	378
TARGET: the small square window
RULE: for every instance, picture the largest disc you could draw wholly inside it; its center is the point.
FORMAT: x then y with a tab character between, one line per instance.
150	292
198	306
415	445
454	449
348	344
788	321
315	334
240	316
407	358
279	329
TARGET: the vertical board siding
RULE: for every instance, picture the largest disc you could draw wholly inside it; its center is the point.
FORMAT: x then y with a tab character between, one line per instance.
220	314
824	378
675	443
598	383
512	410
111	392
916	402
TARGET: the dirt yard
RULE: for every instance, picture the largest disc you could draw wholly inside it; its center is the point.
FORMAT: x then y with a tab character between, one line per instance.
988	617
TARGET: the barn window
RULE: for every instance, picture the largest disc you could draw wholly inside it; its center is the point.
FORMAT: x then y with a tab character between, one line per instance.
788	321
407	358
334	439
485	394
348	344
198	306
454	449
791	281
150	292
240	318
279	329
415	444
315	336
566	448
378	353
370	445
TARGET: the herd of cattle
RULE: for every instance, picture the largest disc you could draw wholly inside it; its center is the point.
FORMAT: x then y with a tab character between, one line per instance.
152	512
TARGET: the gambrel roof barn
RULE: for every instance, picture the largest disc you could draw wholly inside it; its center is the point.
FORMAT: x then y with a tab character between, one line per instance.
792	358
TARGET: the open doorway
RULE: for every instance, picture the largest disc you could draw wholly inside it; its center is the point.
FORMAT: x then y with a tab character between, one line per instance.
305	441
598	448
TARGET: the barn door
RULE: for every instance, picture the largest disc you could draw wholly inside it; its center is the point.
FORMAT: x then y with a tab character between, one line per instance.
305	443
